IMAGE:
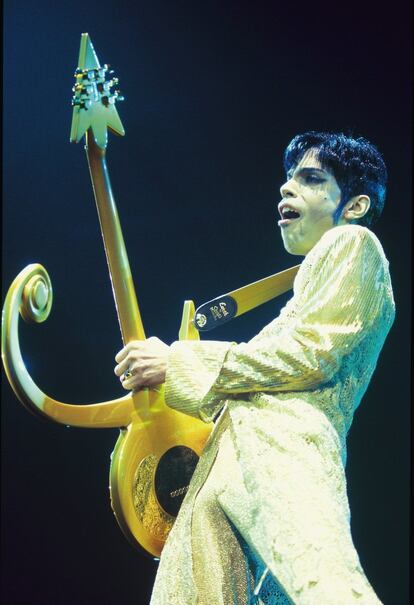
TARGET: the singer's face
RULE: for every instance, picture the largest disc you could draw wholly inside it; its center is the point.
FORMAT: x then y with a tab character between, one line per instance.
312	194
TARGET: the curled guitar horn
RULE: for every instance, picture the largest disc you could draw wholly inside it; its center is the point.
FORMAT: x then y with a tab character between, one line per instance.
30	296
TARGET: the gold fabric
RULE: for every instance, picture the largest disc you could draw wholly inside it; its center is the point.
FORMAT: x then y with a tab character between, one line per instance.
266	518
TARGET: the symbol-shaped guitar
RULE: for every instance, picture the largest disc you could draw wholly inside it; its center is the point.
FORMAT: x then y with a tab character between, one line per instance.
158	448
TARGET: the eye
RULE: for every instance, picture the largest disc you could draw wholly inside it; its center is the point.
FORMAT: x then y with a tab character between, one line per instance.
312	179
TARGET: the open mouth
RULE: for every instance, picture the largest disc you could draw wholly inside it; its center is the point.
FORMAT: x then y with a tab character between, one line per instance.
288	215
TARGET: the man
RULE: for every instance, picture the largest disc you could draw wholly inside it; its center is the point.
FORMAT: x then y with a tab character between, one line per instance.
266	517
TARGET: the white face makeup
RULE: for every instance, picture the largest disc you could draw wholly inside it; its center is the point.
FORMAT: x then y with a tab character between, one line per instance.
310	197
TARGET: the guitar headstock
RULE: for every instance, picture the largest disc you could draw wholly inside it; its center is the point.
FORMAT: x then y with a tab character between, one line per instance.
95	95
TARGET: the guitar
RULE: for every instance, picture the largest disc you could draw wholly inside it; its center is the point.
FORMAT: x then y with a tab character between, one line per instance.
157	448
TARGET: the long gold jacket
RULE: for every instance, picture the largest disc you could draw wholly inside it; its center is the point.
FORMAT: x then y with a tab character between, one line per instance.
287	399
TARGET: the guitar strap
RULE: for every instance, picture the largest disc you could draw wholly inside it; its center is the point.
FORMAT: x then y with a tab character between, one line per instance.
222	309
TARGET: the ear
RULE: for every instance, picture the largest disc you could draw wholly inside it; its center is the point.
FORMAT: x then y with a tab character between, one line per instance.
356	208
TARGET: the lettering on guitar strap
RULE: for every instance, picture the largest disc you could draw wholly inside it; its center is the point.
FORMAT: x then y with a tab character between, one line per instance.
219	311
215	312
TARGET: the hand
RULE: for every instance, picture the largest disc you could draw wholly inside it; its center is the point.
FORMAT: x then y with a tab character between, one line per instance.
145	360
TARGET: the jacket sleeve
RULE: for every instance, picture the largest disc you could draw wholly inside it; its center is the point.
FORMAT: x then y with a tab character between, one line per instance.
346	291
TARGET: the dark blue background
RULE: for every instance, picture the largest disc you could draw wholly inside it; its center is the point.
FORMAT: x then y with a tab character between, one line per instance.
214	92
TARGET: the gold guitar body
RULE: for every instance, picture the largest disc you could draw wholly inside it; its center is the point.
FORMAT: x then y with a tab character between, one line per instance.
151	468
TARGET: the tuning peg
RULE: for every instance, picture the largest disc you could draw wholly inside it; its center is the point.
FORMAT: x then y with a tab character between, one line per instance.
81	74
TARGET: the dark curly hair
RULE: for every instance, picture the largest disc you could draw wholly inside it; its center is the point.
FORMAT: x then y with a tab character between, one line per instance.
356	164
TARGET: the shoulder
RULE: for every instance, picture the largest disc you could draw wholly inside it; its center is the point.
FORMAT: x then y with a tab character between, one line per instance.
348	240
346	252
349	233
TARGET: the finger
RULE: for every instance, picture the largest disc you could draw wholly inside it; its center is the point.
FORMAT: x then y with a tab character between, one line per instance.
133	374
133	344
129	384
130	373
122	354
123	366
128	380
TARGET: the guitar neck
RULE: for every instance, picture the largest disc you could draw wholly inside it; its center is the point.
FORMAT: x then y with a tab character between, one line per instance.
122	284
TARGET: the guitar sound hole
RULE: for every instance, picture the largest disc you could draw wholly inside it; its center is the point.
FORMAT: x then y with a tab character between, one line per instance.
173	476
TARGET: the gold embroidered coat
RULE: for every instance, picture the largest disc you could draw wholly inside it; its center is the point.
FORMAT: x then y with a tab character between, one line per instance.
266	517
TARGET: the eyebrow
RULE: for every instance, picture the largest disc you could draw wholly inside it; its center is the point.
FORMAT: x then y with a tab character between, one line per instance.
306	170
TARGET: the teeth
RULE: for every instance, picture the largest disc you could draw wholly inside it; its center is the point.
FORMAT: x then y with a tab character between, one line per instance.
287	210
